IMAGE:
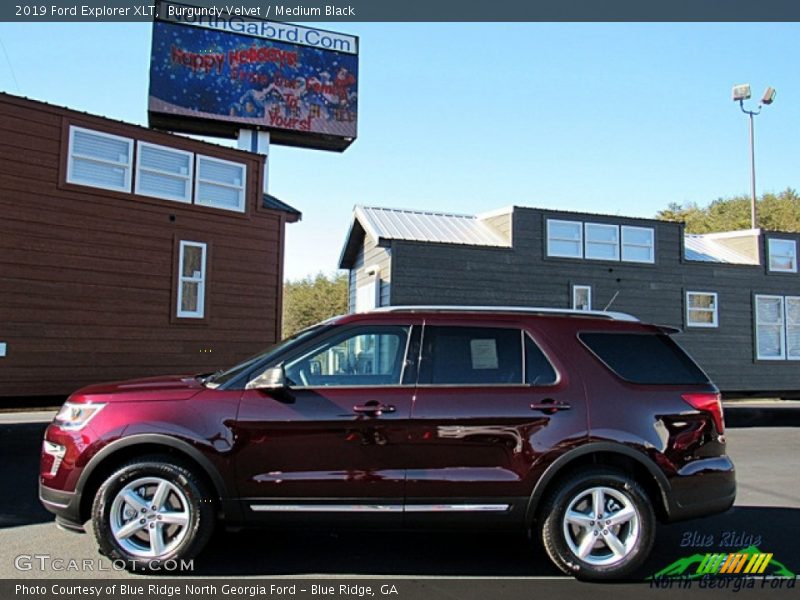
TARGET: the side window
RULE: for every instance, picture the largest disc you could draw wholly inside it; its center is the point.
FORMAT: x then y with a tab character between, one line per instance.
191	280
369	356
538	370
471	355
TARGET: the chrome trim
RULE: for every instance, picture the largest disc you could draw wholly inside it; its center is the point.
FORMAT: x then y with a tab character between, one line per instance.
613	315
457	507
381	508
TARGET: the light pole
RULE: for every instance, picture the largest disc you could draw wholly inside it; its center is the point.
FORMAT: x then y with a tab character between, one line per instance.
742	93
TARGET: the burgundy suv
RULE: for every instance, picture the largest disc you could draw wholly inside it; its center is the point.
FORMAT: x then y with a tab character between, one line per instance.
588	426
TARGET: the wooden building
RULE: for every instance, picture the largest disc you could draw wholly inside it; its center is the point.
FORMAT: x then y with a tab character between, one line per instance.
734	295
128	252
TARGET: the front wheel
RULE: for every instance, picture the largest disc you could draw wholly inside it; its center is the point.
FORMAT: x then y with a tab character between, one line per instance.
151	511
598	524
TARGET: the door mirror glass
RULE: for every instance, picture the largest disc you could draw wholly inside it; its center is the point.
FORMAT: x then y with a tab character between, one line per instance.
273	378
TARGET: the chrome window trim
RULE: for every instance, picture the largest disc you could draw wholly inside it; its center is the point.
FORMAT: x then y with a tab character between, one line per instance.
380	508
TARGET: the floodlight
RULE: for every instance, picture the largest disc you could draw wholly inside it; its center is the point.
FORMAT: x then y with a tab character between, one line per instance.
741	92
769	96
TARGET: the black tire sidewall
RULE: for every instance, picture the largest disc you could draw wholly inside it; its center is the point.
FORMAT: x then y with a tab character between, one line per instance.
200	508
552	525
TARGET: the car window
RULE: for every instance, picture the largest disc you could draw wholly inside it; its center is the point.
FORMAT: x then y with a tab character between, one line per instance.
644	358
369	356
471	355
538	370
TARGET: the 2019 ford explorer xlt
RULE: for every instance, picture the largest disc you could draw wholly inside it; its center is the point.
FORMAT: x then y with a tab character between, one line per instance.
589	427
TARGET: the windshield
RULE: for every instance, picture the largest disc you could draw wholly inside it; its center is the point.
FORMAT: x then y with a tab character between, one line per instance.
221	377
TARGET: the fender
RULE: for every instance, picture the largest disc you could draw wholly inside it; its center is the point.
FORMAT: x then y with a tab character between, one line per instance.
557	467
220	487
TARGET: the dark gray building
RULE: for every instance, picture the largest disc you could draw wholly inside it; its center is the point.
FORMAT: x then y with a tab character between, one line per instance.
734	295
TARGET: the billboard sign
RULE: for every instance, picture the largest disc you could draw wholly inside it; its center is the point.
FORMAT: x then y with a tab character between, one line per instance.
213	74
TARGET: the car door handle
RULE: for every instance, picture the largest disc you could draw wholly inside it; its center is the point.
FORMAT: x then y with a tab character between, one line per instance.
550	406
374	408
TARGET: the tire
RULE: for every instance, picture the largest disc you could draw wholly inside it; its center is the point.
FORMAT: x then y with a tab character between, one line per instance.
126	526
618	544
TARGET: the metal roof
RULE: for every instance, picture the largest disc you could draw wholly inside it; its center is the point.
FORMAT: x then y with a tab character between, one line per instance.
424	226
704	248
273	203
385	224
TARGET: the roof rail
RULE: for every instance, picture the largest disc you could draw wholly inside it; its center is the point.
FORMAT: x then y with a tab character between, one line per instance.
530	310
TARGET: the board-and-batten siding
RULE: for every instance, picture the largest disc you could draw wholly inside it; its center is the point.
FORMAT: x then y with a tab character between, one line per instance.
88	276
370	255
427	273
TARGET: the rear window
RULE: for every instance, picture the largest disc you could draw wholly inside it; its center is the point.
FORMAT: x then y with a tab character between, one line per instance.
644	358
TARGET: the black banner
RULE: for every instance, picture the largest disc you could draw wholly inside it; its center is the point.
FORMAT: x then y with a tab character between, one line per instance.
417	10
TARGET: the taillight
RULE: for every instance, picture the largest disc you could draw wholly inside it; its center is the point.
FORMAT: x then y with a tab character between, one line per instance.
708	402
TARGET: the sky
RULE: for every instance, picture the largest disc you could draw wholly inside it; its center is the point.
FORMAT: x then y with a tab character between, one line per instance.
468	118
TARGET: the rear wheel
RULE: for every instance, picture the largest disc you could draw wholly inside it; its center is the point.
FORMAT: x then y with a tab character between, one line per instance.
598	524
151	511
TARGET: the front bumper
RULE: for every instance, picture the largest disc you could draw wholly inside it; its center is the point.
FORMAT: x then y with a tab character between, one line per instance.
703	487
64	505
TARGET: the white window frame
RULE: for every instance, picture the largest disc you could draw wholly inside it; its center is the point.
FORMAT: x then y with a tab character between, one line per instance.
242	188
793	254
782	299
579	225
186	178
201	281
575	289
714	311
586	241
126	187
651	246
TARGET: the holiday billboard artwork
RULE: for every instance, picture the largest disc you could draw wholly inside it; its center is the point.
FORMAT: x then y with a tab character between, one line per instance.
213	81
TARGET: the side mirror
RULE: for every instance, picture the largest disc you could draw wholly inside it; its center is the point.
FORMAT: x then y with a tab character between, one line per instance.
272	379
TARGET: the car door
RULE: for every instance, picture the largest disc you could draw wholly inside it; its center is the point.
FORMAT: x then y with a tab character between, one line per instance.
331	443
490	404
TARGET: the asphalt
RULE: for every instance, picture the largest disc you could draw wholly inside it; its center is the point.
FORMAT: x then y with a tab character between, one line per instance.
766	514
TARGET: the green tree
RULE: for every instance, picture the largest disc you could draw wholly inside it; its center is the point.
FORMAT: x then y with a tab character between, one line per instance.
777	212
313	299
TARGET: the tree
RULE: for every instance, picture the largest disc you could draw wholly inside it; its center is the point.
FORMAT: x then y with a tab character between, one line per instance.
777	212
313	299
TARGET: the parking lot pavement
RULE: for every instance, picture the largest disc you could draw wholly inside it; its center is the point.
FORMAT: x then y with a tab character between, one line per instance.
766	514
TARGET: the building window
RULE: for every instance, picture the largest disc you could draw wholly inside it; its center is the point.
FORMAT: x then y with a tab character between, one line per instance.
582	297
793	327
191	280
782	255
564	238
367	294
702	309
777	327
602	241
164	172
638	244
220	183
99	159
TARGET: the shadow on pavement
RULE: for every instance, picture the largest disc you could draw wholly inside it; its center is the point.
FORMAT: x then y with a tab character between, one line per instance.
762	416
20	445
480	553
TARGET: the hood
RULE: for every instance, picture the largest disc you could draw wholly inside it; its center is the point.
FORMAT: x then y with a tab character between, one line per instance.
173	387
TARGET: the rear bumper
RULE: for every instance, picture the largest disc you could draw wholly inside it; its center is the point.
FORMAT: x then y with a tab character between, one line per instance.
64	505
703	487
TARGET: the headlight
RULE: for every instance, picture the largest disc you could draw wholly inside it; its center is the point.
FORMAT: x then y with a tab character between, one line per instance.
74	416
